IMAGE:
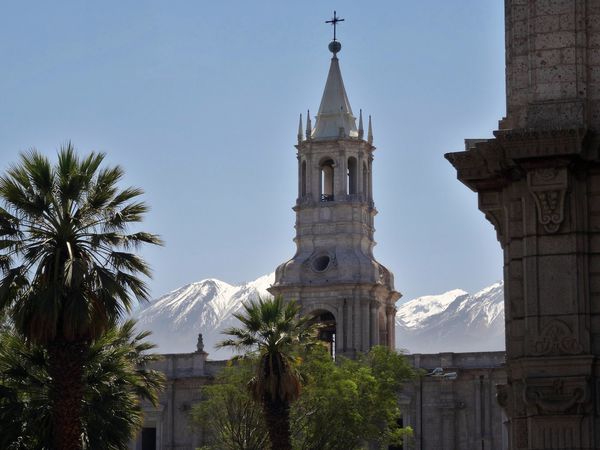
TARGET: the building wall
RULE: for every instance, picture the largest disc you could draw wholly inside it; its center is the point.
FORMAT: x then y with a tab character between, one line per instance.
538	184
450	412
445	413
186	373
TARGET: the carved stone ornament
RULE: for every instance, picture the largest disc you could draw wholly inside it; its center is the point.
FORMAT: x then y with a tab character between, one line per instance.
556	338
548	187
502	395
557	396
200	344
490	203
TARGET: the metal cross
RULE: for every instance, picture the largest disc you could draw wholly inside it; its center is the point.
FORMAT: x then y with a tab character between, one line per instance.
334	22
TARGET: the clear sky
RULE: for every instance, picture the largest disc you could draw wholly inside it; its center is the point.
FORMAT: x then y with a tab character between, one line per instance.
199	102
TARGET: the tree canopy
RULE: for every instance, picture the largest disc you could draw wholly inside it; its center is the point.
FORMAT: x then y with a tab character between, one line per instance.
343	404
272	331
68	267
116	379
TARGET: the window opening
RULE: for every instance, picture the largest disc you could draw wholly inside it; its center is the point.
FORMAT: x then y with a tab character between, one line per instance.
351	176
327	180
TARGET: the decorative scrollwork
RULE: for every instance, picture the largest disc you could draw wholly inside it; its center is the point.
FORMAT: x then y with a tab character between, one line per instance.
548	187
557	396
556	338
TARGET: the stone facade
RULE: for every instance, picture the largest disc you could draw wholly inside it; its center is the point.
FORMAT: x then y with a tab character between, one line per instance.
455	409
538	183
454	406
169	425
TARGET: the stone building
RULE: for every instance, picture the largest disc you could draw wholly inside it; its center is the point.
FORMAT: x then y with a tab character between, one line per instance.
451	407
168	426
334	275
538	183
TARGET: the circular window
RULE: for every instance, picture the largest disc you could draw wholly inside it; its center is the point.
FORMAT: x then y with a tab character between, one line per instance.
321	263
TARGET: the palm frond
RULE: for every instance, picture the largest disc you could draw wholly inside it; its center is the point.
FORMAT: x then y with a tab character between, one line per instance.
65	225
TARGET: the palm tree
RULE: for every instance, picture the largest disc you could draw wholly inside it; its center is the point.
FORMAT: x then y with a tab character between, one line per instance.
116	376
272	329
68	272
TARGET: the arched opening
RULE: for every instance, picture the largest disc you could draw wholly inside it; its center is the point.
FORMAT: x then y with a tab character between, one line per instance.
365	182
303	179
351	181
327	329
327	180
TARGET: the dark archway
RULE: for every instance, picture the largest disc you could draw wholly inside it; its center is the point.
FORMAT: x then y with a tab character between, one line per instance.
327	329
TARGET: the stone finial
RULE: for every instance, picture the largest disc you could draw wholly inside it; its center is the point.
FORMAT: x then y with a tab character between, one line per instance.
308	125
361	131
200	344
300	132
370	133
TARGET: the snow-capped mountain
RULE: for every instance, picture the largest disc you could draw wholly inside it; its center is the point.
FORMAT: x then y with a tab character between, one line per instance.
206	307
452	321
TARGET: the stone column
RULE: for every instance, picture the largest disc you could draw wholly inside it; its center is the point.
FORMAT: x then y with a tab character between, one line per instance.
374	315
348	312
370	179
340	332
391	326
343	175
310	172
538	183
366	337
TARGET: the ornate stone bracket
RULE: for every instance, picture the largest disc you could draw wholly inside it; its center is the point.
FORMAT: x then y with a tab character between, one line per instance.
548	187
490	203
556	338
510	398
557	395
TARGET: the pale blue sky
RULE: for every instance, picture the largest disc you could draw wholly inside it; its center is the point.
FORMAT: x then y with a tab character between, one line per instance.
199	102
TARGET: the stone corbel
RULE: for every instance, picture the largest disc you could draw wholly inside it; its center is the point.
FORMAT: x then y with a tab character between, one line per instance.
548	186
510	398
490	203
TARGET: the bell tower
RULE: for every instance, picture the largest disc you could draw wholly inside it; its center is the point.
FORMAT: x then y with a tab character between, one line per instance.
334	275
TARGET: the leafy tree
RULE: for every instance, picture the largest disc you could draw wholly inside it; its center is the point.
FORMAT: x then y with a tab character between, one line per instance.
229	413
116	376
343	404
67	272
272	330
348	402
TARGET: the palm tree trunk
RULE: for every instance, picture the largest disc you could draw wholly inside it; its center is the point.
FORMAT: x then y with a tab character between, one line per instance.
66	395
277	416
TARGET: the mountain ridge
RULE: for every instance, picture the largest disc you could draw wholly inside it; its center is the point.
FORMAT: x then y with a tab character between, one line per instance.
452	321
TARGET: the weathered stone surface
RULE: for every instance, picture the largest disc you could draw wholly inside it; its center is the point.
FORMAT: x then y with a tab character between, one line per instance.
186	373
538	184
456	409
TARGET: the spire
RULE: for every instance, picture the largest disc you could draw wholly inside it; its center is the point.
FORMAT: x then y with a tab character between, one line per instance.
308	125
370	133
300	135
361	131
335	118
